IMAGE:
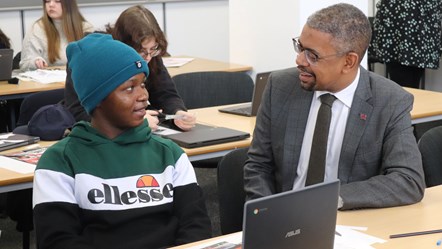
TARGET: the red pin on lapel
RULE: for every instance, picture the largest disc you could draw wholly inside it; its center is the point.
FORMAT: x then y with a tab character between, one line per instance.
363	116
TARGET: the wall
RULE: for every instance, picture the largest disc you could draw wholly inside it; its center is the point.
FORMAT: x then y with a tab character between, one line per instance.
196	28
262	36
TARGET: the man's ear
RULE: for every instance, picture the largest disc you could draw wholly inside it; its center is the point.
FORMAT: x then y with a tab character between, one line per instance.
351	61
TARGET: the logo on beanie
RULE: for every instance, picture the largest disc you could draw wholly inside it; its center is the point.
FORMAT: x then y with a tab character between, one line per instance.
138	64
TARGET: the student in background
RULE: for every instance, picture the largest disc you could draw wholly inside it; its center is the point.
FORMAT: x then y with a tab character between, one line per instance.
4	40
407	38
111	183
138	28
45	44
371	148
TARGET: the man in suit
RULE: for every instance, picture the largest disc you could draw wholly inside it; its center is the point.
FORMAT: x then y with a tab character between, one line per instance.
371	148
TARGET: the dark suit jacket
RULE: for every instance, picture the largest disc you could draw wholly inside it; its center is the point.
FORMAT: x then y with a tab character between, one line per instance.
380	164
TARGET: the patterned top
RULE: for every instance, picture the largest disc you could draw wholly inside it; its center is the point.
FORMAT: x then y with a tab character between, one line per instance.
408	32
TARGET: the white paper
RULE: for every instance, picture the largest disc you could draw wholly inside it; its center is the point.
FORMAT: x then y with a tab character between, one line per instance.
232	239
163	131
44	76
176	62
352	238
16	165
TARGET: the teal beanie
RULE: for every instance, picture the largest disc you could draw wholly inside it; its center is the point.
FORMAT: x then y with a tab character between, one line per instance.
99	64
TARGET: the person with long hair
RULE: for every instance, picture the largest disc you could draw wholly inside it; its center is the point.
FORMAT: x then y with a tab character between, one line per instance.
4	40
45	43
137	27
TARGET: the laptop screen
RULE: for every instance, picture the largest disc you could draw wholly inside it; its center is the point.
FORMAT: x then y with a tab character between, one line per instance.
6	58
303	218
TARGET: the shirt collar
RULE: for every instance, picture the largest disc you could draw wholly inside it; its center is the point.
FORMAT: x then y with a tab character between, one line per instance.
346	94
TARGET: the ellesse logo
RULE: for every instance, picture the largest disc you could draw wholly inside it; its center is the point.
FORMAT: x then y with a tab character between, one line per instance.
148	190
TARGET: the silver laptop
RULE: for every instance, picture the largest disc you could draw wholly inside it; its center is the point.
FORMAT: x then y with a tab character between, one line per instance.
250	109
292	220
11	140
203	135
6	58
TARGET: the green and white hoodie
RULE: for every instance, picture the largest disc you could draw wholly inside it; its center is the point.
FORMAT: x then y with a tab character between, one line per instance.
134	191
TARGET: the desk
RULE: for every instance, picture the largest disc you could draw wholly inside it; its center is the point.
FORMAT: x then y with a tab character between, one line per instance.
205	65
383	222
427	105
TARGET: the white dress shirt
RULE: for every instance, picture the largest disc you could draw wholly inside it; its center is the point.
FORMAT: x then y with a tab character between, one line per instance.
340	110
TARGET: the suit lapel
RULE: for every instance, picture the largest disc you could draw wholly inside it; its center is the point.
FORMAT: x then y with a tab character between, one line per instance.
358	118
299	106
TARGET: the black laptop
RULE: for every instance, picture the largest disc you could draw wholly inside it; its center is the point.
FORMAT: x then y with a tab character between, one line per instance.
295	219
250	109
11	140
6	58
202	135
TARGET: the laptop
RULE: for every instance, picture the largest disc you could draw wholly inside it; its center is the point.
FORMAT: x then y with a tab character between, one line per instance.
202	135
11	140
250	109
6	58
295	219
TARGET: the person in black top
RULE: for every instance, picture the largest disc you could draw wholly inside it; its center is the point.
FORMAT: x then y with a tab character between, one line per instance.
138	28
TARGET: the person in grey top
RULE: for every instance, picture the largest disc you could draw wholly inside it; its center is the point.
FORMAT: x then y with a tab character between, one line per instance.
371	148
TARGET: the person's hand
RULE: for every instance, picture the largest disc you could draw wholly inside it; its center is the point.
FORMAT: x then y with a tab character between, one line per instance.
40	63
152	119
187	122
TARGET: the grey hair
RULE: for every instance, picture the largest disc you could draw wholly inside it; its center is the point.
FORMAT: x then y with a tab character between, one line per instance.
348	26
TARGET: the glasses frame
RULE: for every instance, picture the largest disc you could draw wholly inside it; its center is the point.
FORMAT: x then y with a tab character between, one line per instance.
311	57
153	53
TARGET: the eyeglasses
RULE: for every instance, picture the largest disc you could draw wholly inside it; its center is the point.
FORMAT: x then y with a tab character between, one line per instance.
310	56
153	52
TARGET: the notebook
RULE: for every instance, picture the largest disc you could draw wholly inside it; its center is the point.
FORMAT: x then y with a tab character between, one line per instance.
6	58
202	135
295	219
250	109
11	140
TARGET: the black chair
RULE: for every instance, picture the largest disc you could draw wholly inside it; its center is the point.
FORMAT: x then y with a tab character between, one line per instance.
204	89
231	190
430	146
32	103
19	203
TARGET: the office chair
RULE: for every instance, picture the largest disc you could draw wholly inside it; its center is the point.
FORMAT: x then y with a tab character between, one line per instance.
32	103
204	89
19	203
430	146
231	190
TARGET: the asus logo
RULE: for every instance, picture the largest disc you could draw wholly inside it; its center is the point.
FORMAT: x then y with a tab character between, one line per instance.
293	233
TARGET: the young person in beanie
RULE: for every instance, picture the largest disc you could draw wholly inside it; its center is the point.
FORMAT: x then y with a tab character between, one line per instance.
137	27
111	183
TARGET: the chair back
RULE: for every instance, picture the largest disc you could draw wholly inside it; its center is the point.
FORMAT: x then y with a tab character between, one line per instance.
430	146
33	102
204	89
231	190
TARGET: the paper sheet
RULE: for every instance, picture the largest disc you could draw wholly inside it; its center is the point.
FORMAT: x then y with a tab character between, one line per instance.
44	76
175	62
16	165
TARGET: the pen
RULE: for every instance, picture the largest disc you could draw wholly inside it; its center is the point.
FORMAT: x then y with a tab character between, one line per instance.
415	233
337	233
162	116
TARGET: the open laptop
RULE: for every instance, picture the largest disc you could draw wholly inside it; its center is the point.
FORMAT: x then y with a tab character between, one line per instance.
202	135
6	58
250	109
11	140
295	219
